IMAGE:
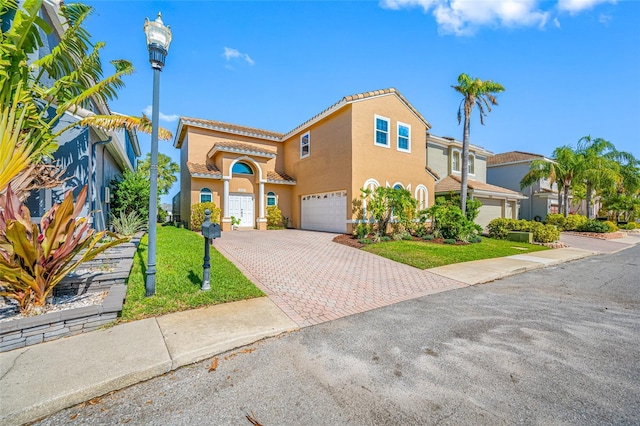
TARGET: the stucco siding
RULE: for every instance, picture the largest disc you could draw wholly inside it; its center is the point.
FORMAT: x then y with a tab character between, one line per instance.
438	159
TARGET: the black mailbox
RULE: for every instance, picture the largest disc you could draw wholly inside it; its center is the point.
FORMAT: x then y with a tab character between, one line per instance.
210	230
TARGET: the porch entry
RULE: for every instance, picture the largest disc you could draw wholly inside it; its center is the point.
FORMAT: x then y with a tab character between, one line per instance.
241	207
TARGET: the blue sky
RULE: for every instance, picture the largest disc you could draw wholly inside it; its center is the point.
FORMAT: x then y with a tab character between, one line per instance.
570	68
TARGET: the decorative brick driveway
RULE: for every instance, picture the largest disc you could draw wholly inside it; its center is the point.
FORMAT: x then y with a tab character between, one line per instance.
313	280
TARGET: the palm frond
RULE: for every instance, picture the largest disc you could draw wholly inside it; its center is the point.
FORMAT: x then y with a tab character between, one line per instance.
114	122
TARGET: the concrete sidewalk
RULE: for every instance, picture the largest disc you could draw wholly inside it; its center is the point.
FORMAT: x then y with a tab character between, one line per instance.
40	380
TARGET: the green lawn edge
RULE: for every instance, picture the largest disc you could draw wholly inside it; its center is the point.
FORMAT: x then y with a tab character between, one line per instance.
427	255
179	262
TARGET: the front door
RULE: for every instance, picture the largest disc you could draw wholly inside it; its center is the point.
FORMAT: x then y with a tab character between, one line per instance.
241	207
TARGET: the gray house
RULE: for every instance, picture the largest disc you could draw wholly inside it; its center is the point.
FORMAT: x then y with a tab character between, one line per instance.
508	169
444	159
89	156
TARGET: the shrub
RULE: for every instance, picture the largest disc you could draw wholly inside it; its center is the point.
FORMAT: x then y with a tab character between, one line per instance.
476	240
574	221
364	241
612	226
274	216
32	260
131	194
630	226
499	228
556	219
362	230
386	204
127	224
428	237
385	238
593	225
448	221
162	215
450	241
545	234
197	214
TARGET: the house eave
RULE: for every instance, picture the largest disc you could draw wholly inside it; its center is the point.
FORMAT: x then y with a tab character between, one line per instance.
249	152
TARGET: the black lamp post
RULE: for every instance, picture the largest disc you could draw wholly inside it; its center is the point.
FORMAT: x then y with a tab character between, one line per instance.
158	40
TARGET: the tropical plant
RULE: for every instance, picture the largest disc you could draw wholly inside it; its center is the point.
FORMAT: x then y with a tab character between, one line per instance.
128	224
499	228
197	214
274	217
562	170
385	205
34	260
167	170
131	194
448	221
475	93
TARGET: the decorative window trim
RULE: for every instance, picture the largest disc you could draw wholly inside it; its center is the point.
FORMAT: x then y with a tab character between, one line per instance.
408	126
206	192
241	163
377	117
272	196
304	144
471	164
422	204
398	185
453	153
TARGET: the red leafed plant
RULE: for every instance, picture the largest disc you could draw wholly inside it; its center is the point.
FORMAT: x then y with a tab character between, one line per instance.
34	260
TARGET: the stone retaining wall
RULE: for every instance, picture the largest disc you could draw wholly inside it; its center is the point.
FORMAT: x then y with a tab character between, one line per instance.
54	325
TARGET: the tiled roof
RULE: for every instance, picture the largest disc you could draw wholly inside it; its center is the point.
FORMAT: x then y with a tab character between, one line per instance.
232	128
512	157
433	173
275	177
452	184
243	148
204	170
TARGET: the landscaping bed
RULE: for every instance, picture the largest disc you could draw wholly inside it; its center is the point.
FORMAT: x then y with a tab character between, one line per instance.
599	235
430	254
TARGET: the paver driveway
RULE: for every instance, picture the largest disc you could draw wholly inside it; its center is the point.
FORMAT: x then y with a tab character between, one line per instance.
313	280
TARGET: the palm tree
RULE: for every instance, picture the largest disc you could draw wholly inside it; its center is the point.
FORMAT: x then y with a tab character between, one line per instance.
562	170
475	92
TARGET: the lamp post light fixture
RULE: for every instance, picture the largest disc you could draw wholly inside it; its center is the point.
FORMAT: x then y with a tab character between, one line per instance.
158	40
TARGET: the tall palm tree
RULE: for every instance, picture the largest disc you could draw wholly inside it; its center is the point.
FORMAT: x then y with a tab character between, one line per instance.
562	170
475	92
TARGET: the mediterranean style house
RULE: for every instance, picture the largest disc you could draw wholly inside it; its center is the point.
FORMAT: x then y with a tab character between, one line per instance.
508	169
313	172
444	159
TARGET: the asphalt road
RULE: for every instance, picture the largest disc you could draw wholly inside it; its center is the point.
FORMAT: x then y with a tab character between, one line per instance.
552	346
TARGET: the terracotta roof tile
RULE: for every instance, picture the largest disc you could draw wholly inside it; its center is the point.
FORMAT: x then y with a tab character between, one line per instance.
279	177
207	170
452	184
433	173
512	156
239	146
232	128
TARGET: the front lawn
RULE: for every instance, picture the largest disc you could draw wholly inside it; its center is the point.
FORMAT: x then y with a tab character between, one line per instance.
426	255
179	276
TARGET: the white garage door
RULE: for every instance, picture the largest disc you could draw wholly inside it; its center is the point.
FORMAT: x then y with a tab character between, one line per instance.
490	210
325	212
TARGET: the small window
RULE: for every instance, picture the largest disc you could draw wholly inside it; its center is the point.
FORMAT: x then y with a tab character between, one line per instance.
398	186
382	131
472	166
455	161
404	137
305	145
241	169
205	195
271	199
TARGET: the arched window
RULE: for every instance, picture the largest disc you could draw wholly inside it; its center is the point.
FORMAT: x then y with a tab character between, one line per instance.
241	169
271	199
472	166
370	184
455	161
398	186
205	195
422	195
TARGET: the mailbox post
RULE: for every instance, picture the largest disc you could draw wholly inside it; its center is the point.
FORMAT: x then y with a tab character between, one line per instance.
210	231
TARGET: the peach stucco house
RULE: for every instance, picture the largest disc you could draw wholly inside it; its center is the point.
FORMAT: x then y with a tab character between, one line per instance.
313	172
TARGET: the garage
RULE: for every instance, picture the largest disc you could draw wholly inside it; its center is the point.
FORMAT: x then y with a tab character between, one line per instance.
491	209
325	212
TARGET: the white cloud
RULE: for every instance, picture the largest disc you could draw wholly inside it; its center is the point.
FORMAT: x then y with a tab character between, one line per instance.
604	19
230	53
465	17
576	6
164	117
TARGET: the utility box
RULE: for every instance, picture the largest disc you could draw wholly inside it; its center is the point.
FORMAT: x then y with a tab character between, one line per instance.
210	230
521	237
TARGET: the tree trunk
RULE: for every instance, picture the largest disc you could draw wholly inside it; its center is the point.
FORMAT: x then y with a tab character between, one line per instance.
465	162
566	200
588	200
559	199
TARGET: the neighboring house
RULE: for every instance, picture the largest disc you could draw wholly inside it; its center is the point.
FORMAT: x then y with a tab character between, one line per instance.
312	173
444	158
508	169
90	156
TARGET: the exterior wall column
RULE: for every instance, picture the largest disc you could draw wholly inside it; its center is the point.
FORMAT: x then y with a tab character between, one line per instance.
226	219
262	220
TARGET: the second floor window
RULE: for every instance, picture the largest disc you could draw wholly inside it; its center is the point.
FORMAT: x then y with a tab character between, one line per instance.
382	131
305	145
404	137
455	161
472	166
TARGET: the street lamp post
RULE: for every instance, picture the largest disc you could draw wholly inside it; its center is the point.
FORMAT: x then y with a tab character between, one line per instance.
158	40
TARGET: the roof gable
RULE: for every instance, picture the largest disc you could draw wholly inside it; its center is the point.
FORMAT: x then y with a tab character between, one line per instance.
513	157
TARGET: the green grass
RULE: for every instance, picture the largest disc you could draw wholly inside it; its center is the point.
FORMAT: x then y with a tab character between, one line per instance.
426	255
179	276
